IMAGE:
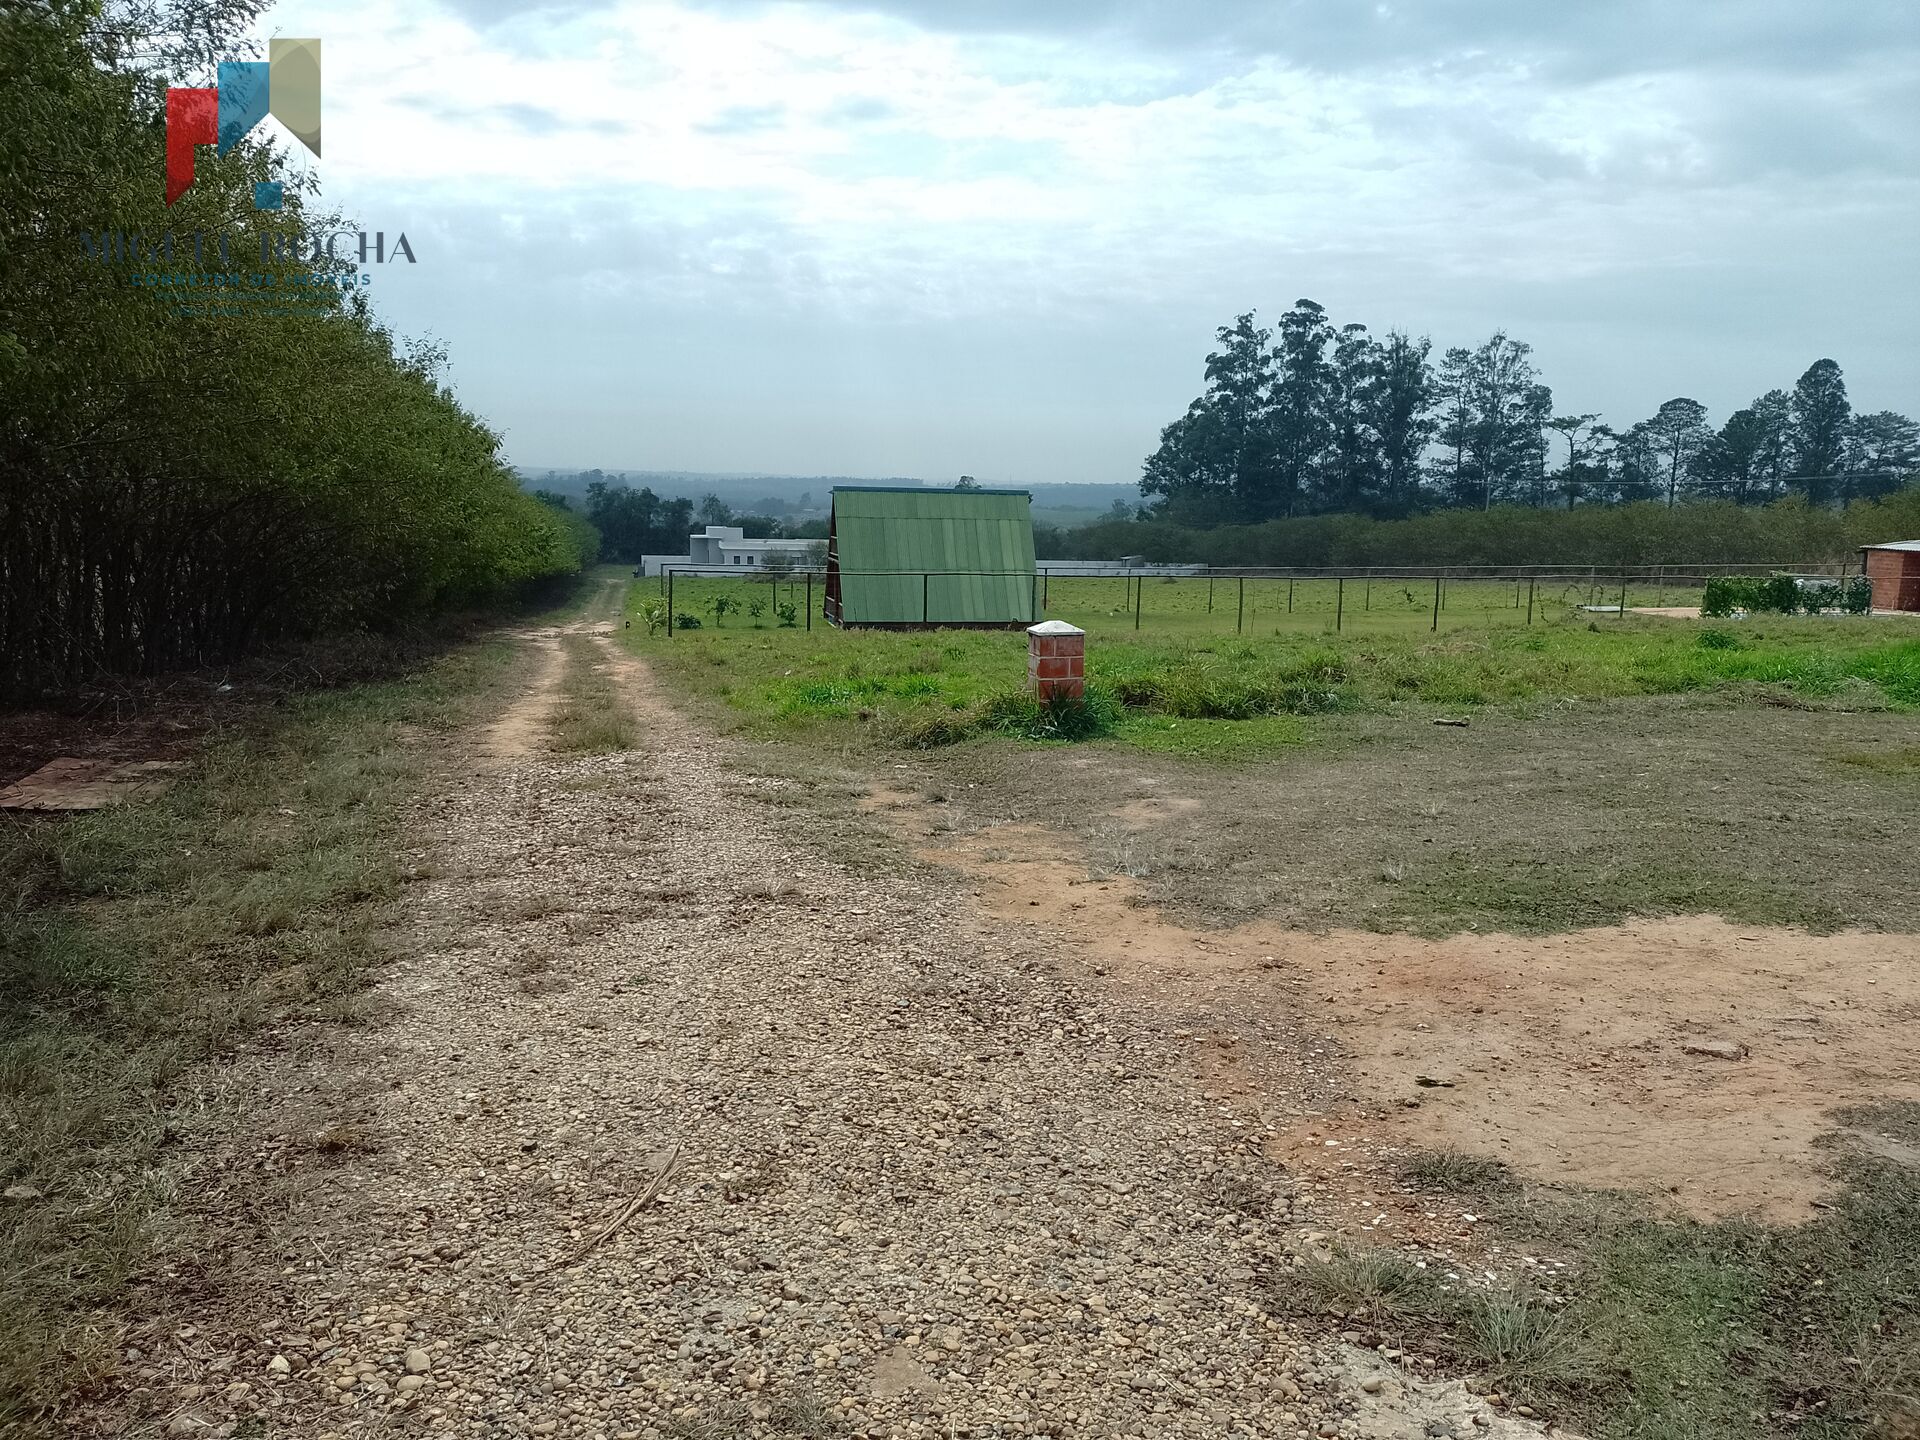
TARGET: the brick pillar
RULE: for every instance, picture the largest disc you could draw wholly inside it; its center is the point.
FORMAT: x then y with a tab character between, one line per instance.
1056	660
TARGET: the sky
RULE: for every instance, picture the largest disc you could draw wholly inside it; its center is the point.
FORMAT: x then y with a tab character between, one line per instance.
995	237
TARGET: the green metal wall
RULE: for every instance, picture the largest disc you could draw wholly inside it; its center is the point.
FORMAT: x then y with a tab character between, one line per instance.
923	532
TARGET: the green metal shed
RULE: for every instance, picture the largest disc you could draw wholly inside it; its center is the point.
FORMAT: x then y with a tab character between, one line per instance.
906	556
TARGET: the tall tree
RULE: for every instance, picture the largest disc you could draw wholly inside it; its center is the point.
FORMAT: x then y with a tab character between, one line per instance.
1820	413
1457	474
1493	413
1215	463
1583	435
1883	453
1773	421
1299	404
1677	433
1350	478
1402	419
1732	464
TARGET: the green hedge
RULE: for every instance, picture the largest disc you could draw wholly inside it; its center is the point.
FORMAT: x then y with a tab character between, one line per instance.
1784	595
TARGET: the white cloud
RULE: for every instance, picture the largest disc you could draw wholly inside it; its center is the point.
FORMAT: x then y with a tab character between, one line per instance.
864	171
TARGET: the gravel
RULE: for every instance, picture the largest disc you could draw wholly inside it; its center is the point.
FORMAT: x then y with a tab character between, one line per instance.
925	1185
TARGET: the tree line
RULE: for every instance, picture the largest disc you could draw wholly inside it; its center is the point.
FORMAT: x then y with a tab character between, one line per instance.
185	471
629	523
1789	532
1302	418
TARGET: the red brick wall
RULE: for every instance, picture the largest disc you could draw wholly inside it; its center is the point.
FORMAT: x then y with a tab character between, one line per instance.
1057	666
1896	579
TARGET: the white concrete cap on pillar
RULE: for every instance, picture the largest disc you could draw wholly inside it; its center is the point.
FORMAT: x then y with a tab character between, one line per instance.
1054	627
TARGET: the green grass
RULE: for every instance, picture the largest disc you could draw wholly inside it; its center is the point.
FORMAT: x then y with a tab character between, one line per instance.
1669	1327
139	943
1196	608
591	718
825	683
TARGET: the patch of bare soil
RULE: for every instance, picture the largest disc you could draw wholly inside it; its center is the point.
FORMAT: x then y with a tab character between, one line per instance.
1686	1058
521	728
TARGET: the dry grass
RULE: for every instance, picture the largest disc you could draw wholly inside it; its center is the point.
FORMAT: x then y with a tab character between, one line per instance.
592	717
139	943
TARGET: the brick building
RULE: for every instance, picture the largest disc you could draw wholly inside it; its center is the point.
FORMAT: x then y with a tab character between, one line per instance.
1894	569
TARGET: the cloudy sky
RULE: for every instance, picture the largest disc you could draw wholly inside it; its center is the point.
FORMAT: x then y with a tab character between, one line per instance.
928	237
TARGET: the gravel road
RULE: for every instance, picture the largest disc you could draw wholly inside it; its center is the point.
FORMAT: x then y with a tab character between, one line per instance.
906	1178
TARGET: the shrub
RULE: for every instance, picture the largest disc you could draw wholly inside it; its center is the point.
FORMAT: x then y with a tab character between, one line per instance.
1720	640
684	621
787	613
1779	595
1015	712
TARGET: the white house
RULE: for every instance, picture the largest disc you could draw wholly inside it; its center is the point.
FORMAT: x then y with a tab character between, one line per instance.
727	547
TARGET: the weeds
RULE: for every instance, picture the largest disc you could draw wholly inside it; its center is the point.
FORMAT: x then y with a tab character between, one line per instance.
1672	1327
1456	1172
592	718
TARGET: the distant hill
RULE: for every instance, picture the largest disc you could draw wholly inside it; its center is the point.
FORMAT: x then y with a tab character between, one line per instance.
802	495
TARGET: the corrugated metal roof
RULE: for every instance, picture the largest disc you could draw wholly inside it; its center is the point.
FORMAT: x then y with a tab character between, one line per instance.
1894	545
981	539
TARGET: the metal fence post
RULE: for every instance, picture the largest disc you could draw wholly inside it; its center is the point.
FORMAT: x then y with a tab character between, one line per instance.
1139	584
1033	602
1046	589
669	604
1289	594
809	599
1339	601
1240	620
1623	594
1209	594
1436	603
1531	582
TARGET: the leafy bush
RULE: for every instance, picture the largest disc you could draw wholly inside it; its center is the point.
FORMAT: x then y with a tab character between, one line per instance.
684	621
653	614
787	613
1720	640
1784	595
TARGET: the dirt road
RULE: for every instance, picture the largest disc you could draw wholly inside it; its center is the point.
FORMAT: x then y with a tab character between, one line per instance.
898	1174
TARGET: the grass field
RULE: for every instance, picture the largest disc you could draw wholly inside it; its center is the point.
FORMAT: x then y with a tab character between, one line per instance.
1107	605
1176	687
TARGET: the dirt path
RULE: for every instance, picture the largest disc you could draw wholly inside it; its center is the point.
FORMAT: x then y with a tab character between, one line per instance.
919	1181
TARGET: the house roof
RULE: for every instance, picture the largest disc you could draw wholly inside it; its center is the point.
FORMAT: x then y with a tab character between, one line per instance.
1894	545
925	490
974	549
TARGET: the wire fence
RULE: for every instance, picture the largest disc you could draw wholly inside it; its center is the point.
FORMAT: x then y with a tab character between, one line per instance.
1227	600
